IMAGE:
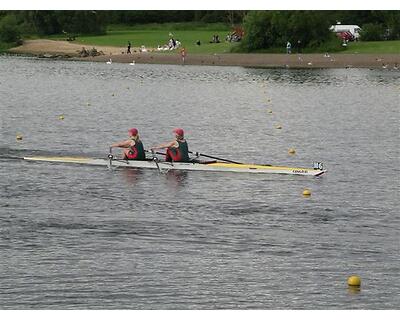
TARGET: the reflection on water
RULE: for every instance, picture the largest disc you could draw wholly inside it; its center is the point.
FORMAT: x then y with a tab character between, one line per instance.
176	179
354	290
131	176
172	178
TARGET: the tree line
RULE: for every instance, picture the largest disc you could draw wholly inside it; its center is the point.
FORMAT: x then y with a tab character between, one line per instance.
263	29
273	29
95	22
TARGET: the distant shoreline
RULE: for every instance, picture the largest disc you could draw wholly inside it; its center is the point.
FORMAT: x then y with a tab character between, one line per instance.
261	60
65	50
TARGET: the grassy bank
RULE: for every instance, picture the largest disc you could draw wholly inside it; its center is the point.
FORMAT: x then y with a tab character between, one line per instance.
5	46
153	35
374	47
330	46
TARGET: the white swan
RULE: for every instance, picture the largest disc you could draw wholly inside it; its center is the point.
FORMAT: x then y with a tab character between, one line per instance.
132	63
109	61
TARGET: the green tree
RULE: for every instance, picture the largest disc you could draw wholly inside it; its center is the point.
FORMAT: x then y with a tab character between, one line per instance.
86	22
9	29
310	27
258	31
372	32
45	22
54	22
393	24
271	29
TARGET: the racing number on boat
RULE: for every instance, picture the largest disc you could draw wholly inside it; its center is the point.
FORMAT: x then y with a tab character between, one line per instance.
318	165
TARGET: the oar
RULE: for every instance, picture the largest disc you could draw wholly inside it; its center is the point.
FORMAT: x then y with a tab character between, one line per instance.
197	154
154	152
155	159
110	158
212	157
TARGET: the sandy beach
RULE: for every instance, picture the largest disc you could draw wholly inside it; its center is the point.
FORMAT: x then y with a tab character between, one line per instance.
64	49
52	47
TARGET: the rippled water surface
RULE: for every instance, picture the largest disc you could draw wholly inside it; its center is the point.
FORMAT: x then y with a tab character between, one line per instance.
74	236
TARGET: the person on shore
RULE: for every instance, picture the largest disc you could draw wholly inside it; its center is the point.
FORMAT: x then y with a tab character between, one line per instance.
172	44
133	147
177	150
183	55
288	48
298	46
129	48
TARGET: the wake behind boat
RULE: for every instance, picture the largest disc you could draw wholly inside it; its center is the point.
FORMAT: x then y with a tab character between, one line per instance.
193	165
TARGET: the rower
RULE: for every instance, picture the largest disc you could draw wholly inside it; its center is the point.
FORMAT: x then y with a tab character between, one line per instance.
177	150
133	147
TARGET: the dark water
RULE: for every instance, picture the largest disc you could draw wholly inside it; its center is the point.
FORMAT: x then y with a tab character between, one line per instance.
86	237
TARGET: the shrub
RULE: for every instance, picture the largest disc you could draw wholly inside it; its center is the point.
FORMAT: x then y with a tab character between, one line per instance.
372	32
333	44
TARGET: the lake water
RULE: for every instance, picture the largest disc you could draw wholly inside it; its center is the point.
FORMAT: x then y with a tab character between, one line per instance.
78	237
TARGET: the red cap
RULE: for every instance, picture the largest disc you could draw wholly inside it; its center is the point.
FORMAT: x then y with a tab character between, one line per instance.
133	132
179	132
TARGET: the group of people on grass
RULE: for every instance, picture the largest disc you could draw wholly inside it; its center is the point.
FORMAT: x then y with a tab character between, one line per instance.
174	44
231	37
133	149
171	45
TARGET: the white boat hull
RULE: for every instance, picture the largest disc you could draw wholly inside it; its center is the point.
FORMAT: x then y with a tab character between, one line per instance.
190	166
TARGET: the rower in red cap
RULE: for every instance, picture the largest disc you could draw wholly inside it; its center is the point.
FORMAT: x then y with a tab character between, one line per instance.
178	149
133	147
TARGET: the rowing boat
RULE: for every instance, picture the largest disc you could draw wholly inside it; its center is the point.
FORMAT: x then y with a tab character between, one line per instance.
215	166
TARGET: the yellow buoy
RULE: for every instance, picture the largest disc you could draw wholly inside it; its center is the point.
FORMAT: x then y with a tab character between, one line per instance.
88	104
61	117
18	137
354	281
306	193
269	111
278	126
291	151
112	95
